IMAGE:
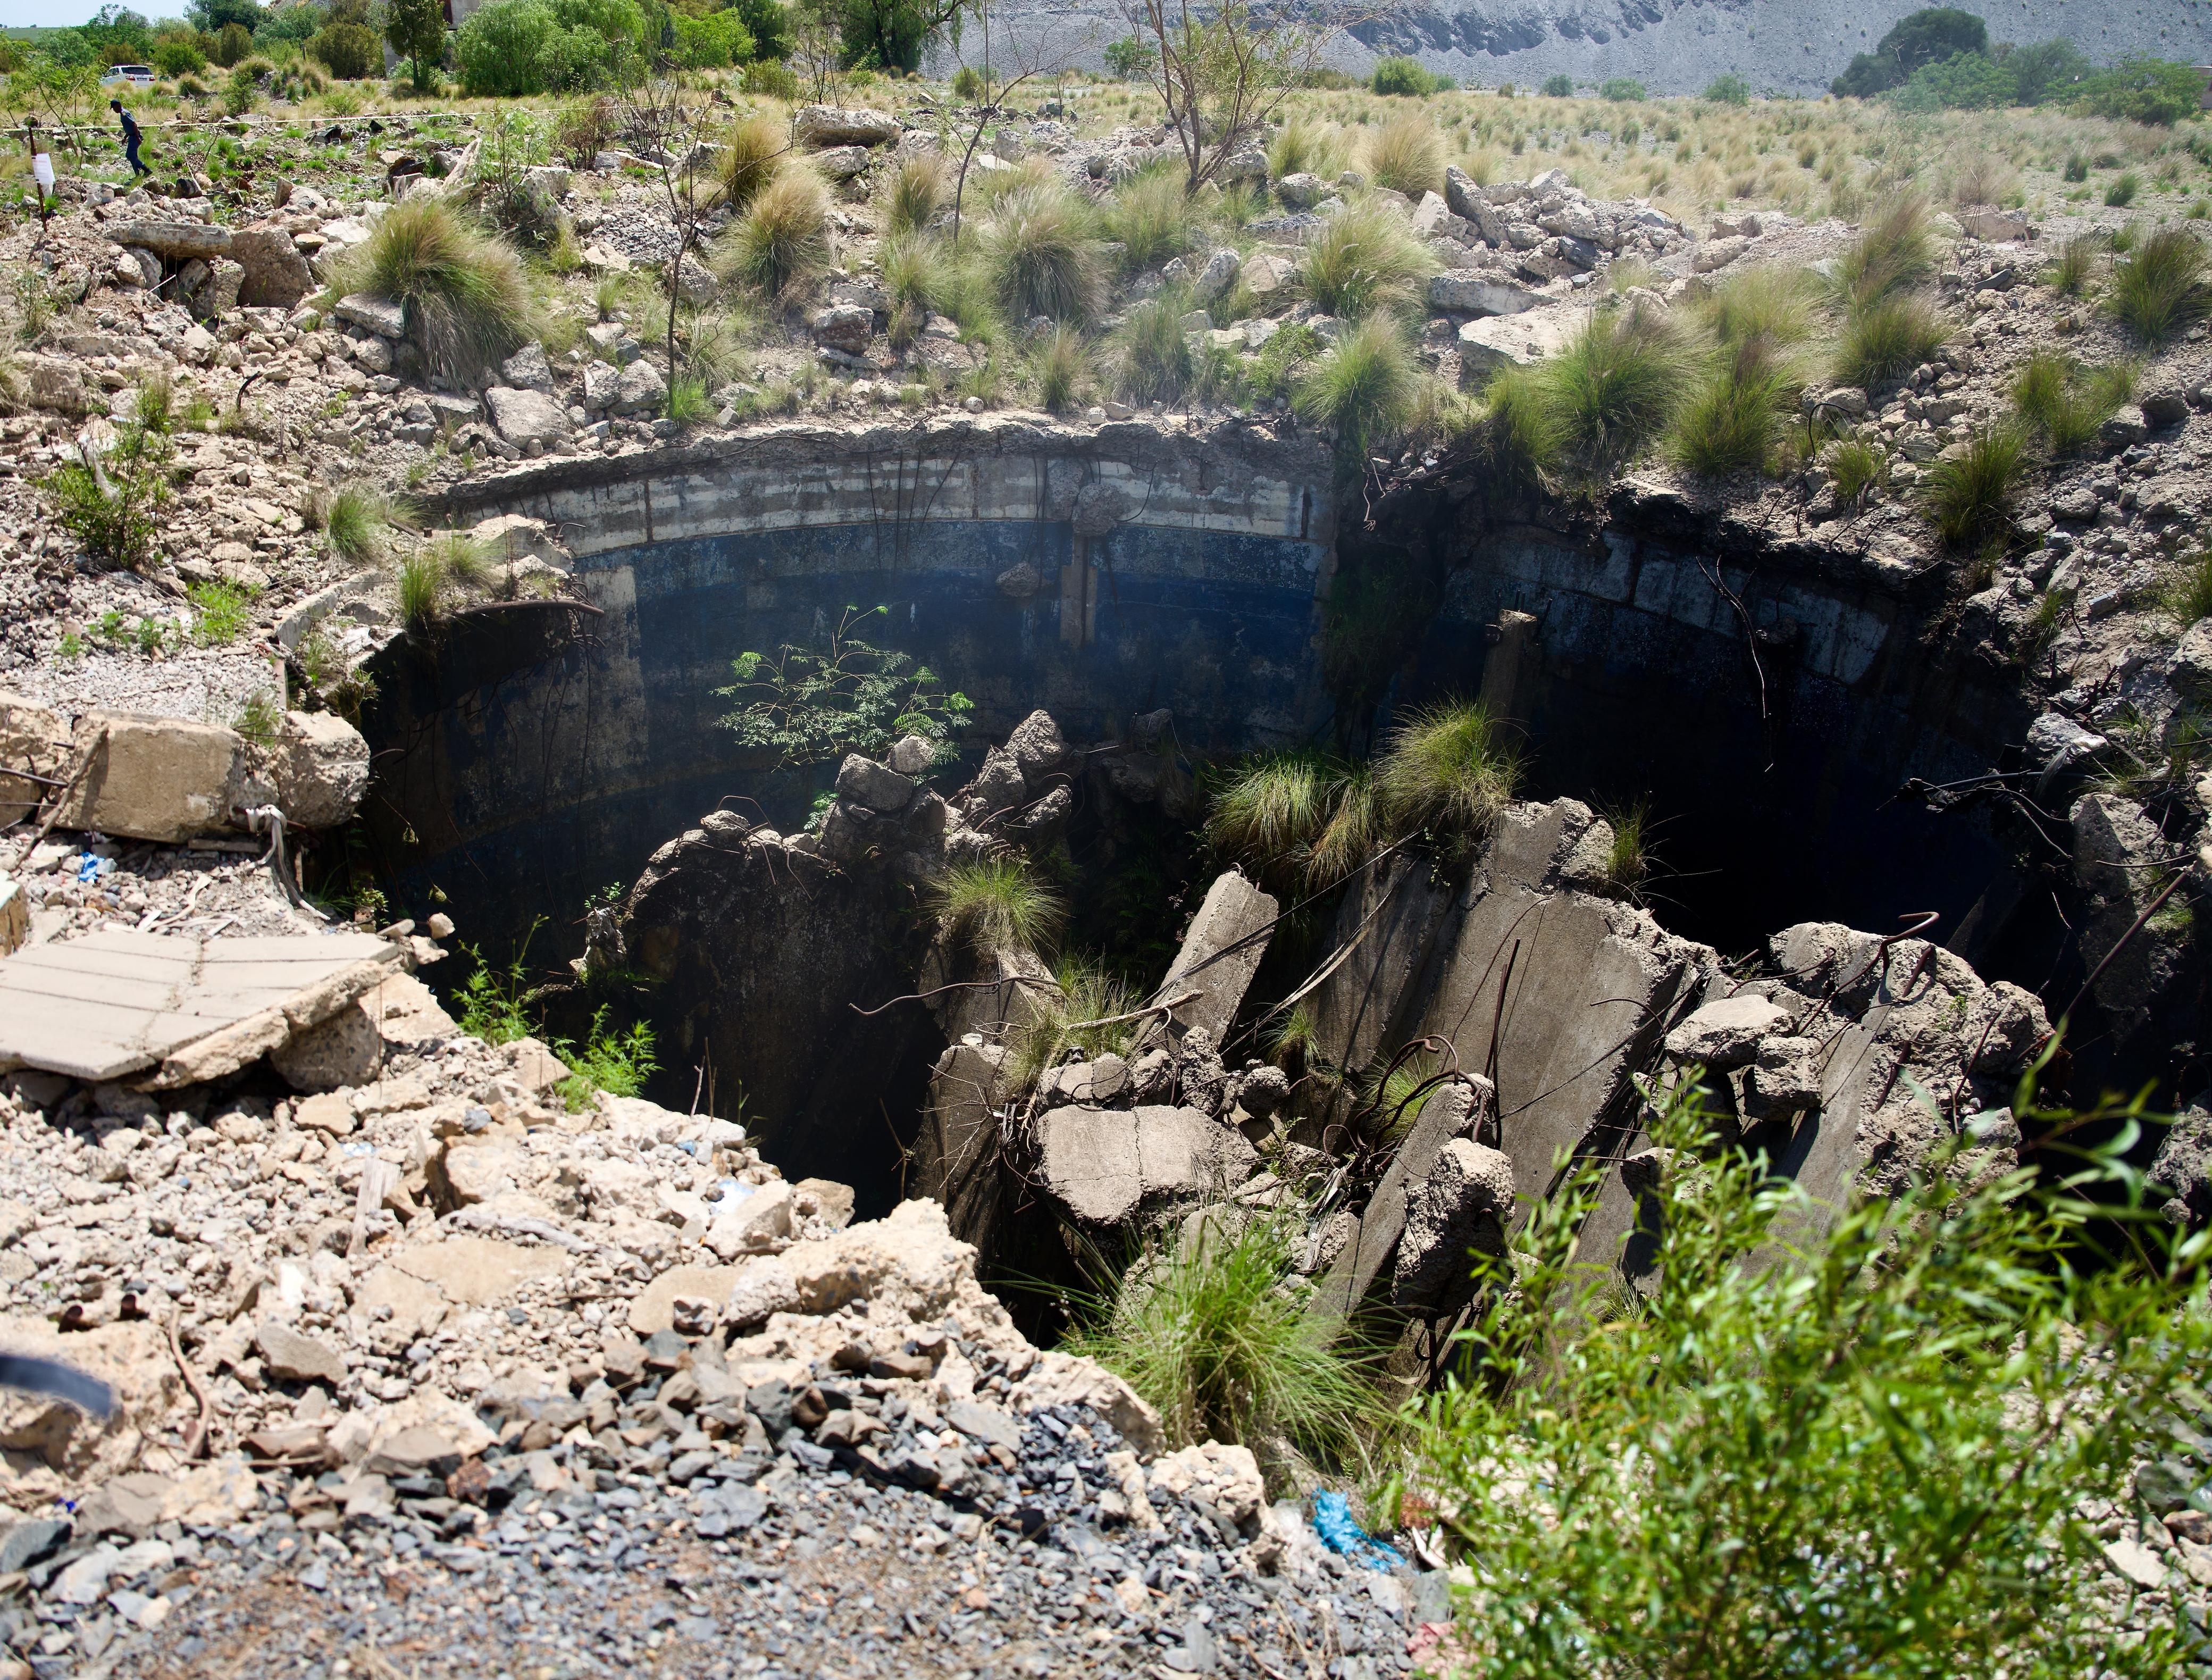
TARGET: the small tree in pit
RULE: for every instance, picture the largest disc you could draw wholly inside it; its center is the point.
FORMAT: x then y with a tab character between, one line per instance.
808	705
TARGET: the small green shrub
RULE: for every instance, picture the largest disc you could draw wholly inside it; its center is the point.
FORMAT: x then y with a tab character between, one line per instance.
2063	403
1443	771
1042	256
1727	88
998	904
618	1063
115	512
1405	77
1364	388
224	612
1622	90
1206	1329
2161	290
1885	339
1407	156
752	153
2121	191
781	242
465	294
1365	259
1969	495
1151	216
1560	86
813	703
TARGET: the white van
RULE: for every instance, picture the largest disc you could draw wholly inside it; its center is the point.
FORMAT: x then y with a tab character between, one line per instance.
137	76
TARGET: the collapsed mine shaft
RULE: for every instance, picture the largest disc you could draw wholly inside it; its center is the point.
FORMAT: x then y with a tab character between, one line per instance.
1812	742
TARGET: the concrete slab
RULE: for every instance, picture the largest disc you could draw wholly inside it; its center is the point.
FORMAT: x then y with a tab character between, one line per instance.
118	1002
1220	954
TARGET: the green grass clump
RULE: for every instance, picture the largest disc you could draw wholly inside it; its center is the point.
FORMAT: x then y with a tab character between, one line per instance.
495	1001
1614	388
1366	260
781	242
917	194
1062	365
1855	464
687	401
1042	256
1152	358
465	293
1969	495
357	523
1151	216
2065	404
2188	598
751	153
1893	253
1735	418
923	276
1054	1023
2159	289
1773	307
223	611
1628	859
1933	1389
1301	148
1365	387
2077	261
998	904
2122	190
1888	338
1407	156
1443	771
448	564
1205	1329
1268	814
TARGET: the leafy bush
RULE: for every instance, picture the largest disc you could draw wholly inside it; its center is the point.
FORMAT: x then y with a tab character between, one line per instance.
1365	388
1204	1327
618	1063
1364	259
1443	771
1407	157
1560	86
1154	365
1969	495
224	612
1884	340
116	510
715	41
751	153
1622	90
2138	89
2056	399
495	1004
1928	36
2159	289
1861	1440
349	50
1727	88
1966	82
1041	255
810	704
1406	77
466	299
781	242
1151	216
1129	58
998	904
514	48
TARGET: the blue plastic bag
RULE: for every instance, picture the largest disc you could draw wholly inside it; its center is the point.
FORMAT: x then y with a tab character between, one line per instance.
1332	1522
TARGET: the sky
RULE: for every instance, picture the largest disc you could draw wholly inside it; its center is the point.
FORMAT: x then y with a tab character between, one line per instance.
23	14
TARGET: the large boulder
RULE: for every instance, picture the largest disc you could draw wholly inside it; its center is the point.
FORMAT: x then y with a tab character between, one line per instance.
819	127
1105	1167
277	274
164	779
524	417
321	766
1462	1207
1498	342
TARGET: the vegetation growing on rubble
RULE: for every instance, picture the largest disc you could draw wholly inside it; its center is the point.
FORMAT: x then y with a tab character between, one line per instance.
1880	1443
806	704
112	500
998	904
467	302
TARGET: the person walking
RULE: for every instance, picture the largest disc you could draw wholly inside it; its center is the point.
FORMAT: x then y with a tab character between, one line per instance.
130	138
42	170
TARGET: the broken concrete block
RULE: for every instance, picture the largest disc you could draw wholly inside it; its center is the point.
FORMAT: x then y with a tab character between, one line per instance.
35	739
758	1221
524	417
277	274
1462	1207
293	1355
1221	952
163	779
1104	1165
321	766
1498	342
345	1050
1725	1033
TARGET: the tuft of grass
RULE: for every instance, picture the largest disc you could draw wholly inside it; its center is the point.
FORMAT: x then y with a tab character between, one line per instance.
1628	861
1301	148
1267	815
781	242
1732	421
1855	466
1893	253
154	406
1443	771
1053	1024
751	153
223	612
1352	835
1153	363
1614	388
2188	597
1772	307
2122	190
922	275
1407	156
1205	1329
2077	260
1151	216
1062	366
1366	260
260	720
1042	256
358	523
1886	338
1519	438
2159	289
448	564
916	193
465	293
2066	405
1969	495
998	904
687	401
1365	387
